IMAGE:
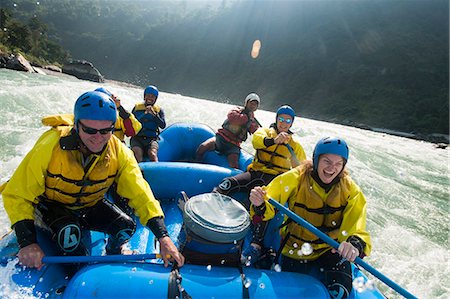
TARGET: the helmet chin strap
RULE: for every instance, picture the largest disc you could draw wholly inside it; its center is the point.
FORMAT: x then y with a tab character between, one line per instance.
326	187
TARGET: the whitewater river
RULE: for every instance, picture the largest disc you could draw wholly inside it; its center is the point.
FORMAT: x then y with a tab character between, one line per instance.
406	182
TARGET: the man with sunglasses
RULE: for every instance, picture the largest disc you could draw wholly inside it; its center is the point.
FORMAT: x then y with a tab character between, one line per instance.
60	186
277	151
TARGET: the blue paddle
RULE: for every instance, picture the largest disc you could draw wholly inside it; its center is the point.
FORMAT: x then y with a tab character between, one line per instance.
91	259
289	147
335	245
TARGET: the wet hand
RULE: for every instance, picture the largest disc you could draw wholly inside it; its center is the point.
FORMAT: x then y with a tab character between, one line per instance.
283	137
257	196
31	256
116	101
169	252
347	251
149	110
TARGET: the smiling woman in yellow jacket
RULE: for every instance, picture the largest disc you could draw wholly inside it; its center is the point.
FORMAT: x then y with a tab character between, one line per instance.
62	181
322	193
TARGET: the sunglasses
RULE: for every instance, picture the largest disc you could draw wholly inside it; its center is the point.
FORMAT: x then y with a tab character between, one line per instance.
282	120
92	131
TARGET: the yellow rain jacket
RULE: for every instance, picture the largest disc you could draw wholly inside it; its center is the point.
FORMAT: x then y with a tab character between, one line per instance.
120	129
53	169
276	158
340	213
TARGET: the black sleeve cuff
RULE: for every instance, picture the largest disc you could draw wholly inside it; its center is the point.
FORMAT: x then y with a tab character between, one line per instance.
25	233
269	141
158	227
124	114
260	209
358	244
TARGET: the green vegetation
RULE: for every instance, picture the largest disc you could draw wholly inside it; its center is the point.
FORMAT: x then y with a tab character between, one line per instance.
381	63
29	39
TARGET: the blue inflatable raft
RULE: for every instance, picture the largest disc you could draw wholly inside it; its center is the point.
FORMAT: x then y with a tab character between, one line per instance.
149	278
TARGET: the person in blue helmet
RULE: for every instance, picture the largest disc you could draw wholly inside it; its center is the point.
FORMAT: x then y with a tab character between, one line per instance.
126	124
277	151
61	183
322	192
152	118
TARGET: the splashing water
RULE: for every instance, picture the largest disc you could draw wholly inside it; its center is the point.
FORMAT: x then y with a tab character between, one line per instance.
405	182
307	249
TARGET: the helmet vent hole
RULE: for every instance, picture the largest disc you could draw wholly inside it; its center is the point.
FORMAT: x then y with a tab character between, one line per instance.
100	104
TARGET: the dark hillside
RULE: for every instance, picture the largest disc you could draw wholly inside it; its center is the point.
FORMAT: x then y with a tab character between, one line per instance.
382	63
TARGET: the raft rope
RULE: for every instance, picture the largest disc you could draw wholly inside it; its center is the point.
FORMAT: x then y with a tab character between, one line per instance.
176	289
245	292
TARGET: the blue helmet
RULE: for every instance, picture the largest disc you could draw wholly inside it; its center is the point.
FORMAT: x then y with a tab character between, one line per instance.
286	109
330	145
104	90
95	105
151	89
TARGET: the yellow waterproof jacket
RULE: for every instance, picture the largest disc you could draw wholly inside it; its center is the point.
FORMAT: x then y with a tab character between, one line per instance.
56	173
276	158
120	129
340	213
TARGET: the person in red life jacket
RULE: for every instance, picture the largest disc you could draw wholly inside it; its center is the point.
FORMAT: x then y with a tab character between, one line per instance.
152	118
322	192
239	123
126	124
61	183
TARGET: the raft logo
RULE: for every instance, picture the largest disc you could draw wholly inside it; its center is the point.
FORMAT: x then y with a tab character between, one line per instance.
124	235
225	185
338	291
69	237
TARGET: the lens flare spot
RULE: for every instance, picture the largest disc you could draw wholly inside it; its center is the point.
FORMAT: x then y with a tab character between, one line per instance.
255	49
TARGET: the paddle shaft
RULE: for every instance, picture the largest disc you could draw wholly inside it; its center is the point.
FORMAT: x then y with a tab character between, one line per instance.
289	147
92	259
335	245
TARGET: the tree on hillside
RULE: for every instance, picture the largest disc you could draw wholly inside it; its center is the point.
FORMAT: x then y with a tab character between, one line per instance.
18	35
31	38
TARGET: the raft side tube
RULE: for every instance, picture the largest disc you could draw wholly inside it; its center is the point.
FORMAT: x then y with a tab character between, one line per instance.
144	280
179	142
167	179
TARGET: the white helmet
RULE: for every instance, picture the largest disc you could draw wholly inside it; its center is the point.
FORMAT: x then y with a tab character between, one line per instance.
252	97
